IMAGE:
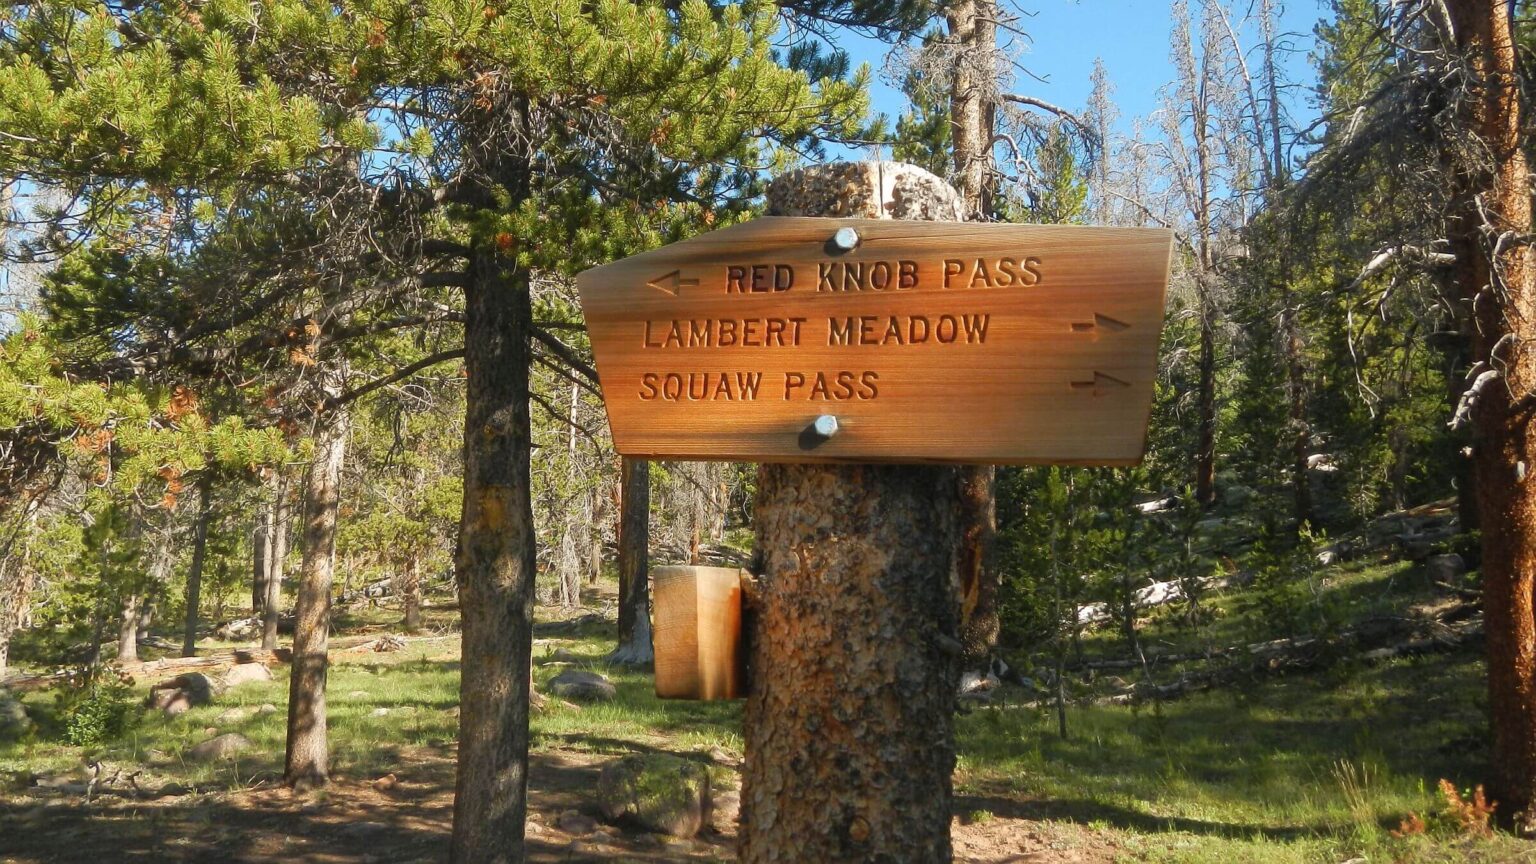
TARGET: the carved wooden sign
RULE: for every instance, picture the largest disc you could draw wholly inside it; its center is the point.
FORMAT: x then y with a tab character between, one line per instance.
800	340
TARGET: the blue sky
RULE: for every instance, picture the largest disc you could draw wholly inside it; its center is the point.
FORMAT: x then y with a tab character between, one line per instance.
1132	37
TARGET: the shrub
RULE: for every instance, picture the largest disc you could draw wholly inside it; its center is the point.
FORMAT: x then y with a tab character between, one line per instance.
94	709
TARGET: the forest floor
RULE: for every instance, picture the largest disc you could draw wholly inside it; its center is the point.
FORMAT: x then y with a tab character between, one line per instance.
1316	767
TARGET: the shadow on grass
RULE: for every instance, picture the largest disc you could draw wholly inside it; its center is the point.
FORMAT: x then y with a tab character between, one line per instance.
348	822
1083	811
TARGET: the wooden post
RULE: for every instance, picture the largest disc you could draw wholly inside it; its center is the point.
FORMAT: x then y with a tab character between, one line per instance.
698	633
854	654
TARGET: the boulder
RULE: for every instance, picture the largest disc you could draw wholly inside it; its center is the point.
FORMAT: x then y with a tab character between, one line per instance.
239	630
1441	568
582	686
657	792
1238	495
14	722
220	747
176	695
576	823
245	673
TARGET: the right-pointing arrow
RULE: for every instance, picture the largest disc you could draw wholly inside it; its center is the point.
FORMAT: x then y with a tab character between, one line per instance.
1099	382
1099	322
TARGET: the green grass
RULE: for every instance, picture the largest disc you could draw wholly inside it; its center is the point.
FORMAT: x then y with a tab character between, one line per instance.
1293	769
1317	768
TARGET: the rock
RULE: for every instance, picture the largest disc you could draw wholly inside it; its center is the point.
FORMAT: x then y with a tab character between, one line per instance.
14	722
265	709
246	673
176	695
380	712
582	686
576	823
722	756
234	715
725	812
358	694
1441	568
239	629
1210	525
220	747
1238	495
171	790
660	793
891	190
1416	548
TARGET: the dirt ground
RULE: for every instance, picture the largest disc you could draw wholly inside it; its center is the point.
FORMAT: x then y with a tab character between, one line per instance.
407	819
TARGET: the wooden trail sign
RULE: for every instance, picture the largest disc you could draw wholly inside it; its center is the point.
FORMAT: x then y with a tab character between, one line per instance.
926	341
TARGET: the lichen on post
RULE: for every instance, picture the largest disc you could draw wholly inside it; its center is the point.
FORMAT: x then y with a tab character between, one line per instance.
854	656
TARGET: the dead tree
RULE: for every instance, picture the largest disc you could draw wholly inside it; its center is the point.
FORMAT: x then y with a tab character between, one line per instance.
634	565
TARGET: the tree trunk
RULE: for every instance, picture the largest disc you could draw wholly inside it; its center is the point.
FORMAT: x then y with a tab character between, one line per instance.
595	537
308	757
1205	447
1500	283
261	558
495	567
1296	395
128	629
972	102
972	112
634	565
277	550
195	574
411	597
976	563
854	659
854	654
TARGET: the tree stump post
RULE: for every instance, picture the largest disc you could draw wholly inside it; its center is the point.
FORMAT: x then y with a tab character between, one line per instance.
854	653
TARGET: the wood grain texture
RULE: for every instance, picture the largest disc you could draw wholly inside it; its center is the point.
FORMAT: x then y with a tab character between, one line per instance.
698	633
1044	352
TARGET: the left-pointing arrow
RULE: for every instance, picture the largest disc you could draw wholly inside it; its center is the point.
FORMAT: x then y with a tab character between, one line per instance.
672	282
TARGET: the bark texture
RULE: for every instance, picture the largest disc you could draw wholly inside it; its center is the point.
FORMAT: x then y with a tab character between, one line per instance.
495	567
1496	279
854	652
854	661
634	565
308	756
972	27
977	564
972	114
